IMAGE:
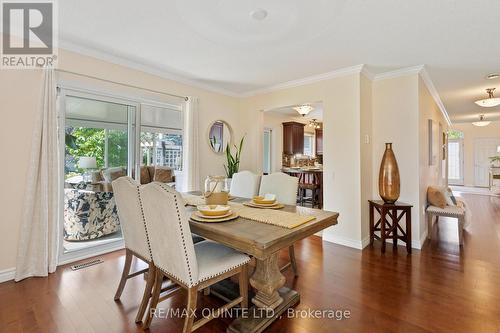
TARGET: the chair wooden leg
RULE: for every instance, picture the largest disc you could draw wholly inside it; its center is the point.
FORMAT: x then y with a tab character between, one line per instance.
291	253
244	286
125	273
429	226
147	293
154	298
461	231
191	307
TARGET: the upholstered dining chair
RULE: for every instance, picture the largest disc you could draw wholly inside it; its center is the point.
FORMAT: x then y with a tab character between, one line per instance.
193	266
285	188
245	184
128	201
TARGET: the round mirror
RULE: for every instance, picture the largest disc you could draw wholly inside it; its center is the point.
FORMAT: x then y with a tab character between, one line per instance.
219	135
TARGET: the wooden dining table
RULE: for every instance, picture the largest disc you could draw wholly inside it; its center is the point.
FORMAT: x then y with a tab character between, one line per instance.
264	242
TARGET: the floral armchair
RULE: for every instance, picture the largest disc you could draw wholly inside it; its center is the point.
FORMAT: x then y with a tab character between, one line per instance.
89	215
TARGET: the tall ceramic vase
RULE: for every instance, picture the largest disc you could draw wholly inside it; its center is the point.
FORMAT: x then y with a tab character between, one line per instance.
388	177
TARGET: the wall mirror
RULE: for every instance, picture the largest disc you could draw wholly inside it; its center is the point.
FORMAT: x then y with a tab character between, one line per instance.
219	135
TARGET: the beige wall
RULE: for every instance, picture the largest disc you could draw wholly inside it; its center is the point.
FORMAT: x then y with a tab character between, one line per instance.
430	175
401	109
341	144
366	153
396	120
20	95
471	133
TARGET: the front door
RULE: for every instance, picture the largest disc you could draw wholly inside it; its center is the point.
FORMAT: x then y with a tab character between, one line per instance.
483	149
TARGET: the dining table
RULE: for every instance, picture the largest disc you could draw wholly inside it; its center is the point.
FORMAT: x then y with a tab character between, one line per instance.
263	242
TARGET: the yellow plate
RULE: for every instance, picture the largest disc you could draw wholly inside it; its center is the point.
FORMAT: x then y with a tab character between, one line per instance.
200	214
261	201
197	218
213	210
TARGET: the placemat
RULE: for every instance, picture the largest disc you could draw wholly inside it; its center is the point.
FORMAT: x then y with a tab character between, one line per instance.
275	217
193	200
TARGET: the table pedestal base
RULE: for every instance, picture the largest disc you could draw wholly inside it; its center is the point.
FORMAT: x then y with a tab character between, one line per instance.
258	319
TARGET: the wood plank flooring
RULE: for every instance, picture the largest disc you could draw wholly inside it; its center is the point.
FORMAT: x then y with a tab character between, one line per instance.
438	289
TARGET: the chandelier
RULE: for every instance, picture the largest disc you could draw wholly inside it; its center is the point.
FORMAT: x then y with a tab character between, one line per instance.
489	102
314	124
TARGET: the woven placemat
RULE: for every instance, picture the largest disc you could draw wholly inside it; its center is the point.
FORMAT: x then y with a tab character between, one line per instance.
193	200
275	217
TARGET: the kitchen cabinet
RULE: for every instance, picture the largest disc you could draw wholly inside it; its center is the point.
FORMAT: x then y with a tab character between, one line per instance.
293	138
319	141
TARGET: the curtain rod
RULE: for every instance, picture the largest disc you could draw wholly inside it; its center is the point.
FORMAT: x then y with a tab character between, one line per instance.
120	83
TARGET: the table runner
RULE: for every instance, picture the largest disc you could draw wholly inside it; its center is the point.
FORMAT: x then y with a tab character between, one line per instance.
269	216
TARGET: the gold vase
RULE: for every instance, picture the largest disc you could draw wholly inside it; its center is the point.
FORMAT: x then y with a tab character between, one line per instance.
388	177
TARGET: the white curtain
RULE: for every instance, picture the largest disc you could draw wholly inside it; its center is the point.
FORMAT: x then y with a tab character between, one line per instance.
39	237
191	154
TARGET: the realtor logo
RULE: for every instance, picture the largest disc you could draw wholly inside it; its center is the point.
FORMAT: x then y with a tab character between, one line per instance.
28	34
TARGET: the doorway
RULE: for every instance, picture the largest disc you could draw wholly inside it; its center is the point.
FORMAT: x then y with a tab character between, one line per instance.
266	149
484	148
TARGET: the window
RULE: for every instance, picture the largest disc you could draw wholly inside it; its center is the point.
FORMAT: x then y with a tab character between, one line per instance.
455	158
308	144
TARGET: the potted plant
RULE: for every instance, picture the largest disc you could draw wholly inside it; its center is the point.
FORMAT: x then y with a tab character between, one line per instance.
233	161
495	161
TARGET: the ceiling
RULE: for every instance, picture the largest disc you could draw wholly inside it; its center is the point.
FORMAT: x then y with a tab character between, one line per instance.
316	113
218	44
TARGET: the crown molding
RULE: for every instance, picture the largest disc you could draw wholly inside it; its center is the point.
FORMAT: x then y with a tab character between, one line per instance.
434	93
358	69
398	73
308	80
122	61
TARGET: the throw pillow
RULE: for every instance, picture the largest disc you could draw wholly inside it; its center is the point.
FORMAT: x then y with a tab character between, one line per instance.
145	178
111	174
436	197
450	198
163	174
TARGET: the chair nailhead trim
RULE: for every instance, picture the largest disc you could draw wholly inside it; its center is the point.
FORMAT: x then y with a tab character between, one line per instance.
179	221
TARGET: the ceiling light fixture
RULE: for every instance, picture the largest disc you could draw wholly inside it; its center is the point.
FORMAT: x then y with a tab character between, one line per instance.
489	102
481	122
492	76
303	109
258	14
314	124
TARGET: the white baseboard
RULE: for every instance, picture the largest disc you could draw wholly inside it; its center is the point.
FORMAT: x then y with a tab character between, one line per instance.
70	257
354	243
7	274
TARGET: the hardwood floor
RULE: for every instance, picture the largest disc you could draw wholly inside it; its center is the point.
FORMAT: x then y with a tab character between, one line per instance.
438	289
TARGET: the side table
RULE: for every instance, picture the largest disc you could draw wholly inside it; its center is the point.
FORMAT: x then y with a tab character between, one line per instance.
389	223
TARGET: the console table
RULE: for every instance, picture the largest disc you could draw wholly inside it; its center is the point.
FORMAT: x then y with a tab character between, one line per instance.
389	223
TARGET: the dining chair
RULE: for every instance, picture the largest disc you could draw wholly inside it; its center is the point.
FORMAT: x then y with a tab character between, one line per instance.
193	267
245	184
285	188
128	203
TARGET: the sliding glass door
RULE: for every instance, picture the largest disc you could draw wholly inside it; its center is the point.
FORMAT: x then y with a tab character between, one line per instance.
99	147
101	144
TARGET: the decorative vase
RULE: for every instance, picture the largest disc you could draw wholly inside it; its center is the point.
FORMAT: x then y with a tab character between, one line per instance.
388	178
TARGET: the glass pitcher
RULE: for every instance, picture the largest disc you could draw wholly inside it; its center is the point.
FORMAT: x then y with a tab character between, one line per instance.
216	190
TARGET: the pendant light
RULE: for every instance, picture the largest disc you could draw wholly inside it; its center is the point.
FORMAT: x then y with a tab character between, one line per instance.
481	122
489	102
304	109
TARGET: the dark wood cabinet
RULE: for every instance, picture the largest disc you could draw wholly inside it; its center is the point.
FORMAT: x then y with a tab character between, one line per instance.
319	141
293	138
